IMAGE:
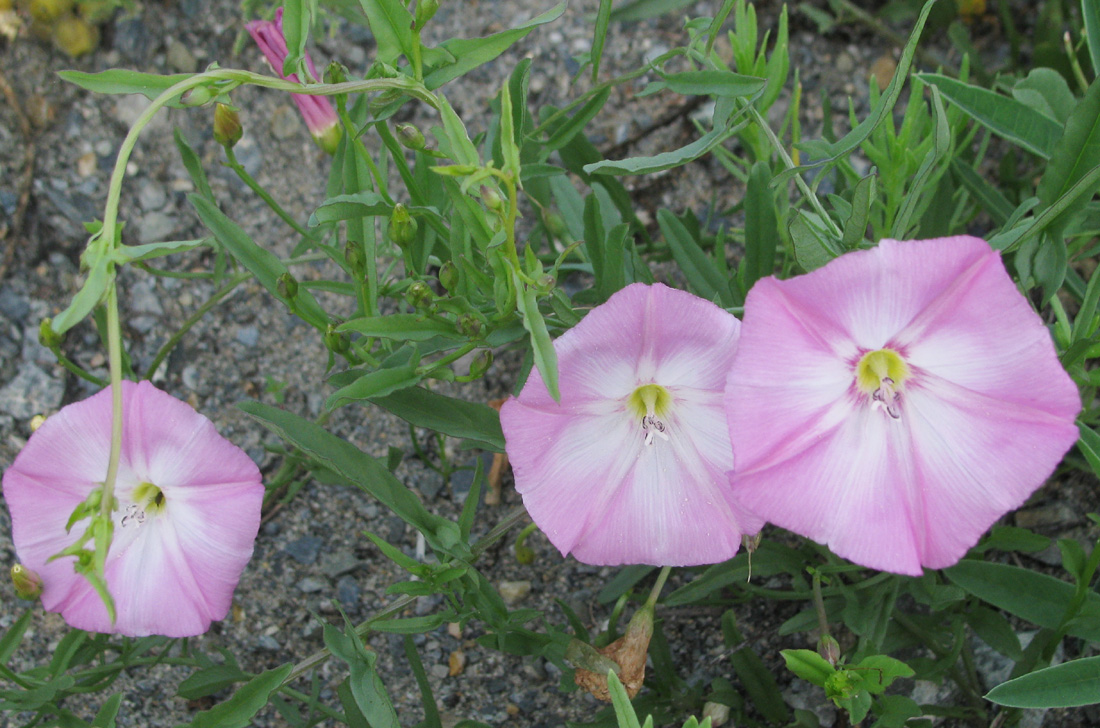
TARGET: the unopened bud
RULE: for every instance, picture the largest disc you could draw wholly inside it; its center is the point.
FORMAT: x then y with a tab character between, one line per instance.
525	555
481	363
717	712
227	125
410	137
419	294
335	340
545	283
335	72
491	198
353	254
448	276
425	10
287	286
402	227
37	421
28	585
198	96
555	223
469	326
47	337
829	649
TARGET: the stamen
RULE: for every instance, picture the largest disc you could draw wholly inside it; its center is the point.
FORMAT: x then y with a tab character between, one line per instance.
653	426
134	515
887	398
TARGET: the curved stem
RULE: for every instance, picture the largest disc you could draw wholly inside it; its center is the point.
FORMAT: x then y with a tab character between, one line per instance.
114	356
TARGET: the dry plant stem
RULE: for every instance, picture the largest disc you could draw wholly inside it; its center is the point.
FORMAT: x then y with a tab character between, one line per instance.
25	178
494	535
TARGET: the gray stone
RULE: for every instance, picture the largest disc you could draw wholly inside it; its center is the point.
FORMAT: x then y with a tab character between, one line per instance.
305	550
514	592
180	57
267	642
248	335
347	591
155	227
129	108
285	122
31	392
152	197
440	671
144	297
13	305
311	585
336	564
132	40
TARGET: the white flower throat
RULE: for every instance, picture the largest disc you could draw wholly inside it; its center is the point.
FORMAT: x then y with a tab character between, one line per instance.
148	501
651	403
880	374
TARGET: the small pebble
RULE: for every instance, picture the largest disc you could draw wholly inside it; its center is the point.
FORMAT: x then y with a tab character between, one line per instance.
284	122
310	585
347	591
305	550
181	58
514	592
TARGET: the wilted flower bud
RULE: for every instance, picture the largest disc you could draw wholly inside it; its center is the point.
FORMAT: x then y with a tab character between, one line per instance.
425	10
629	651
227	125
481	363
47	337
419	294
335	72
402	227
717	712
829	649
448	276
410	136
353	254
336	341
287	286
28	585
491	198
469	326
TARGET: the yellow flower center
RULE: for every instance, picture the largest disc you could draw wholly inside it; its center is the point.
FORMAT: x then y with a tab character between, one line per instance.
880	374
148	501
649	400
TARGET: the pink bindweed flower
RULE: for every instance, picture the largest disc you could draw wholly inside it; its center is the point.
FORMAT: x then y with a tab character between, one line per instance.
630	467
896	402
318	111
188	508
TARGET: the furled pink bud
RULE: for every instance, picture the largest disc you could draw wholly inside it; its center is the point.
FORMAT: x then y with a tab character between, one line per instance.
318	111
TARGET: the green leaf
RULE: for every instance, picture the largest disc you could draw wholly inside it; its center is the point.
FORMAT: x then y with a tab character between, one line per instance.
664	160
808	665
576	123
923	183
193	164
130	253
9	643
1068	685
1013	538
599	36
642	9
881	670
761	228
988	196
826	153
469	53
210	680
1089	445
620	702
378	383
1046	91
366	686
100	277
237	712
1004	116
1090	13
260	262
105	717
995	631
759	683
121	81
391	25
508	145
296	21
452	417
813	246
855	227
1077	152
352	465
701	273
546	359
1038	598
711	83
402	327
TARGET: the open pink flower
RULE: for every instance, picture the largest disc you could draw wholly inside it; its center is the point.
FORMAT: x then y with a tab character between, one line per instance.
896	402
318	111
188	511
630	467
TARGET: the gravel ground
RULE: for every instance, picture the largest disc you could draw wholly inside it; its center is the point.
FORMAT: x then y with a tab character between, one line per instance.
311	555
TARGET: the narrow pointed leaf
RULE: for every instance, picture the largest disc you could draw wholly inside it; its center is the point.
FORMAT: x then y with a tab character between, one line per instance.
1068	685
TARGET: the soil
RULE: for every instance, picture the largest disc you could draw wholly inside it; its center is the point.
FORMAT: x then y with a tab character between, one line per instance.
57	146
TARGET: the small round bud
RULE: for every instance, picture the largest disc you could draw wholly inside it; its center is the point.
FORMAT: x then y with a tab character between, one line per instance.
287	286
425	11
555	223
28	585
545	283
227	125
353	254
336	341
419	294
469	326
75	36
198	96
448	276
525	554
829	649
481	363
410	137
402	227
491	198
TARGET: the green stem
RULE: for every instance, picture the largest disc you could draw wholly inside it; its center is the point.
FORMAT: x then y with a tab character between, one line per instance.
819	606
263	194
657	587
444	361
79	370
114	354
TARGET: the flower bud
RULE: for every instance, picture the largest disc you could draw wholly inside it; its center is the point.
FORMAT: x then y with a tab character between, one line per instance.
335	72
751	543
545	283
47	337
287	286
353	254
481	363
491	198
227	125
425	10
336	341
469	326
717	712
829	649
448	276
410	137
402	227
198	96
28	585
419	294
525	555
